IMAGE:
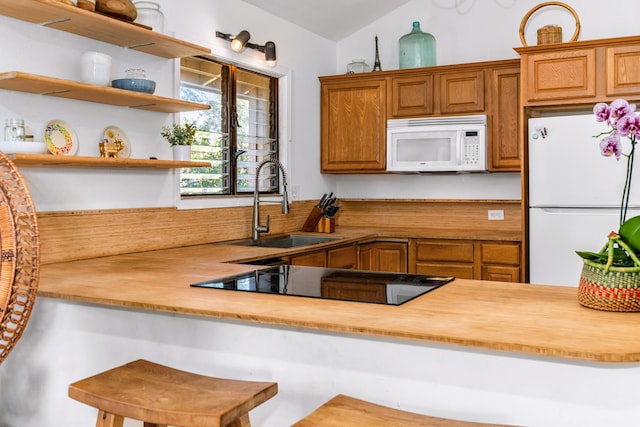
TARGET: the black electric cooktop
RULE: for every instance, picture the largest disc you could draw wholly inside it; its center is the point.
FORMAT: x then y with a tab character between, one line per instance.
331	283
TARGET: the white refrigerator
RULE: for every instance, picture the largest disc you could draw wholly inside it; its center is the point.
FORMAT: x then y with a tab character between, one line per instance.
574	195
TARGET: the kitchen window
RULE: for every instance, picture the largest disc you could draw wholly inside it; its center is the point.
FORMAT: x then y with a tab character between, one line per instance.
236	134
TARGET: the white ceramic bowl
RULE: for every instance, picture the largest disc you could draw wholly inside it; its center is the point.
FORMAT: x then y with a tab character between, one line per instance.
29	147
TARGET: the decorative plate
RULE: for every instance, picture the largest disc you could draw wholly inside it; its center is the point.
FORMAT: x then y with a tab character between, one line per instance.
114	133
60	138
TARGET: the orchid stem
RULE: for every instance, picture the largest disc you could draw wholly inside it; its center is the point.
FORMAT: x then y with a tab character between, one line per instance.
627	183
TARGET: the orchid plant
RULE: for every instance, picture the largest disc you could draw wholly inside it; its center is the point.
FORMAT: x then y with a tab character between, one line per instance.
624	123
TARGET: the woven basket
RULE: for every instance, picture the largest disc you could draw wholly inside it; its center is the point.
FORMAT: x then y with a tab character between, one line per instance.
549	33
610	288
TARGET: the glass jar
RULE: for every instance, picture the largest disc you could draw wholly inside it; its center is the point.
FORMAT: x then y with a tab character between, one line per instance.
357	66
135	73
14	130
417	49
149	14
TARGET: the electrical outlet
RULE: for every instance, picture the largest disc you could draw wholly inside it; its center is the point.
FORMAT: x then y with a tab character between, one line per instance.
496	215
295	192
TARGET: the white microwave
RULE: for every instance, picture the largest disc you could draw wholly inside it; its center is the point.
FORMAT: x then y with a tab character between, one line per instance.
437	144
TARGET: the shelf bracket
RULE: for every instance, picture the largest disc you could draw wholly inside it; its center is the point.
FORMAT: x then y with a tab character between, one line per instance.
54	21
135	46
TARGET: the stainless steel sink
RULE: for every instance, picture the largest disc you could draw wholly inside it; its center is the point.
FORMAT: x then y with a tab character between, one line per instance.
284	241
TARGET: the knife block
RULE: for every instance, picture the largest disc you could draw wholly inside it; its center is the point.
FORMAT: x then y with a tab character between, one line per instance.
313	219
326	225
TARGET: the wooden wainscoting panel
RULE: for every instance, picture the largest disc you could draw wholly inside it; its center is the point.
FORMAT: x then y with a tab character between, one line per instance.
463	217
73	235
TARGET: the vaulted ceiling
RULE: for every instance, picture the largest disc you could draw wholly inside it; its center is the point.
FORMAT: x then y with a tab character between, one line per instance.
331	19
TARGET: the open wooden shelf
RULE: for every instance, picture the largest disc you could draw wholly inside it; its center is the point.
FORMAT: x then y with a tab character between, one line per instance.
55	14
33	83
86	161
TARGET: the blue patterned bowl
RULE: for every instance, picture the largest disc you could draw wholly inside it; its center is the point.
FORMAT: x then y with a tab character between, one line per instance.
136	85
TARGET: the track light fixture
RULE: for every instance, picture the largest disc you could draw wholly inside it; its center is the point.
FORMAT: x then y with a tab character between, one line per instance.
241	41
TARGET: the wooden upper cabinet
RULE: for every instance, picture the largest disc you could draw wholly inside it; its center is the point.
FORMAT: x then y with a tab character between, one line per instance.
355	109
411	96
623	70
438	91
462	92
504	120
560	75
580	73
353	125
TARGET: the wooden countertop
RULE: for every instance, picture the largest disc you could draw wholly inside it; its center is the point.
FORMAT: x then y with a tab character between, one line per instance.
521	318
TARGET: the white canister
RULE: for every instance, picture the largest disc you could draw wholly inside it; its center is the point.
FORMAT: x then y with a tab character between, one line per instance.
95	68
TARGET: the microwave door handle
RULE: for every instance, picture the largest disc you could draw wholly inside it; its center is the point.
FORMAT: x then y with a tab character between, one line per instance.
460	147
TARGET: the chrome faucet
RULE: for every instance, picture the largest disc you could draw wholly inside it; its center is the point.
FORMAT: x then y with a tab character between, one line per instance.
257	228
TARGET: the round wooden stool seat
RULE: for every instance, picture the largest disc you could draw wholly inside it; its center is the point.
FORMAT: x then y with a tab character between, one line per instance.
161	396
346	411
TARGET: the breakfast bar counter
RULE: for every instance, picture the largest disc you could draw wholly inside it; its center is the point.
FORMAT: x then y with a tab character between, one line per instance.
502	353
521	318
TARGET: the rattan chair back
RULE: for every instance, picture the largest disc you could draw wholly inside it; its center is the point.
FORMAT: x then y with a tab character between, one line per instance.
19	255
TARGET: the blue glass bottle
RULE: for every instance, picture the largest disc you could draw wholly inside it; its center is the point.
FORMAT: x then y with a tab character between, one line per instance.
417	49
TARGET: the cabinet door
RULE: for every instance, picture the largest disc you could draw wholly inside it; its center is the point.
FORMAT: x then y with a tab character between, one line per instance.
462	92
411	96
500	253
623	70
353	128
383	256
559	75
466	259
310	259
500	261
442	257
504	120
343	257
501	273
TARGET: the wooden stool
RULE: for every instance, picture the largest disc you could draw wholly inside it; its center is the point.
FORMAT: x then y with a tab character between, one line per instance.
161	396
345	411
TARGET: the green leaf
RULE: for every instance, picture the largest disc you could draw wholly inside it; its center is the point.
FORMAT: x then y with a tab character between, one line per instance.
593	256
630	232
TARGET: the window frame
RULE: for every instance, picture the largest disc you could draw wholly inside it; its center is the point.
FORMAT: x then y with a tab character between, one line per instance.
229	106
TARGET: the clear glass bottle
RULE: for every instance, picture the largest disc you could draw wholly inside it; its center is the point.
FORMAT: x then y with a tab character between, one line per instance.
14	130
417	49
357	66
149	14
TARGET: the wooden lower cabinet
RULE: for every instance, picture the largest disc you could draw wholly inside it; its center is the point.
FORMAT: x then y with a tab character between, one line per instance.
466	259
500	261
442	257
339	257
343	257
383	256
309	259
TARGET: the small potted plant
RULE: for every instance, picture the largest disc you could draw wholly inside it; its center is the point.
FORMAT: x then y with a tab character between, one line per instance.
180	137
